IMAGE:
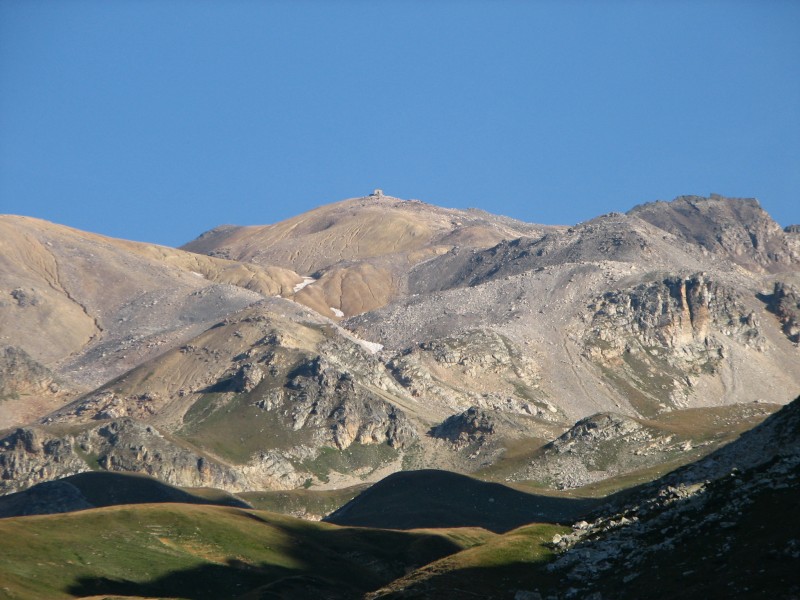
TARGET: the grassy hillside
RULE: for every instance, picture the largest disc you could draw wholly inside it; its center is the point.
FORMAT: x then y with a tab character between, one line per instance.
498	568
197	552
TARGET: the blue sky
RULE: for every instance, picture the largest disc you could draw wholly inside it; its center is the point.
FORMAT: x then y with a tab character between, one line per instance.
157	120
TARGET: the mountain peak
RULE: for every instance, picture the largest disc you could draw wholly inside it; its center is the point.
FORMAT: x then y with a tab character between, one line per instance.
736	228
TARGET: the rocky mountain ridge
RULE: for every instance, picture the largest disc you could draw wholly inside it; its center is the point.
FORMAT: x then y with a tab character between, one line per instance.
406	336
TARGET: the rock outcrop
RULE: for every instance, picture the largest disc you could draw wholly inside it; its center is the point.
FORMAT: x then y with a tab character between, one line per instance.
784	303
341	410
28	388
661	337
600	447
472	425
29	456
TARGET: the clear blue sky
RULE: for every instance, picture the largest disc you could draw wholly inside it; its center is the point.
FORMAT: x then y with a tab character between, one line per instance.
156	120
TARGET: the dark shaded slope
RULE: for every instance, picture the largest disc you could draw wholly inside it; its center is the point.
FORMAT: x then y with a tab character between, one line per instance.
435	499
725	526
96	489
778	436
723	548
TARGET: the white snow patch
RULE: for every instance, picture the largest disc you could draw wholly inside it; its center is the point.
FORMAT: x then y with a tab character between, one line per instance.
373	347
306	281
337	312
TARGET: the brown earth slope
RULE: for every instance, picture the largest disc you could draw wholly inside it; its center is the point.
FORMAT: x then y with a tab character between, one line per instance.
359	250
88	307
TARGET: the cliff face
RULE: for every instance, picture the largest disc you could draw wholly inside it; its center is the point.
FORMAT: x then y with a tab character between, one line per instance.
674	313
784	303
662	337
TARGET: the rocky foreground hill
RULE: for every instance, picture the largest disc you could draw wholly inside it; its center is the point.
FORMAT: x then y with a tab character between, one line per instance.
376	335
721	527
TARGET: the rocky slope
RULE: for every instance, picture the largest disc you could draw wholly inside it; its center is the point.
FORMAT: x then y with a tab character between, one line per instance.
607	445
31	455
274	397
725	522
89	307
738	230
784	303
615	314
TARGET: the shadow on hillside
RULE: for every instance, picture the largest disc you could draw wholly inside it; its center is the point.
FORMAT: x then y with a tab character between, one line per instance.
489	583
215	582
206	581
333	563
102	488
430	498
777	434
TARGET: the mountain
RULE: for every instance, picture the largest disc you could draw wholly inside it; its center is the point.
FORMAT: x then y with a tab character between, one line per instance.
500	377
612	314
376	335
358	251
82	309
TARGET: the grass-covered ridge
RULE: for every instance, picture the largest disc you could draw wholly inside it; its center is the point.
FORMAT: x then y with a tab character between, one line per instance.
495	569
198	552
